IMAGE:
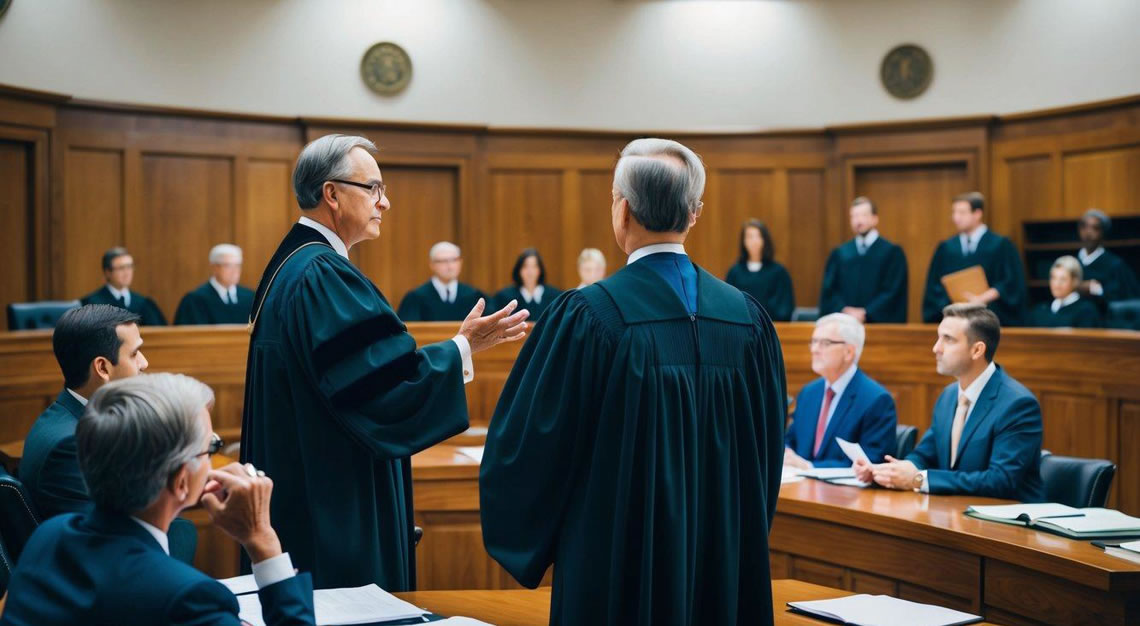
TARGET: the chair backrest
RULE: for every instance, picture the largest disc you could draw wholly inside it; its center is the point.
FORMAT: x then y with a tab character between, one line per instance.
33	315
905	439
1124	314
805	314
1075	481
17	516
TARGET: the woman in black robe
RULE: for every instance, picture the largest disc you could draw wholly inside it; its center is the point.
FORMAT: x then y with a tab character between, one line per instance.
529	288
1067	309
758	275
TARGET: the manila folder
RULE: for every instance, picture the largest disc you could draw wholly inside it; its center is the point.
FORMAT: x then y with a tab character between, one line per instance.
970	280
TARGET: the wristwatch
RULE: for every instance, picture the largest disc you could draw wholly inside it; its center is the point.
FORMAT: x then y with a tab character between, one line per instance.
917	481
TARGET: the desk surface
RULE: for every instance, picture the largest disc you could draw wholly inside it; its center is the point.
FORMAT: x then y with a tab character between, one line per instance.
523	607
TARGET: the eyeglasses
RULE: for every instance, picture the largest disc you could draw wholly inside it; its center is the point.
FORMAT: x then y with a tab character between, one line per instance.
215	446
826	343
376	189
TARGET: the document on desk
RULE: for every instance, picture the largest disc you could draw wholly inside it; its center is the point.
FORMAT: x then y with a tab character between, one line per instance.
828	473
336	607
790	474
474	452
240	584
868	610
853	451
1089	523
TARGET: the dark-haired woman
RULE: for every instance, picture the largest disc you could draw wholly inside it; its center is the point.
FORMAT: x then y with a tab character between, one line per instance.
757	275
529	288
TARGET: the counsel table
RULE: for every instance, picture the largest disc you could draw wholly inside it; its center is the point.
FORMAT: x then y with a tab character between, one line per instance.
921	547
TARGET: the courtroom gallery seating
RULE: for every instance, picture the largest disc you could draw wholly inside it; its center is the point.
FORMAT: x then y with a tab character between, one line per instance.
906	438
1075	481
33	315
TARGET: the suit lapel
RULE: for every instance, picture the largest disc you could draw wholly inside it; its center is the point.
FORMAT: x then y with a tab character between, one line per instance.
986	401
810	422
942	428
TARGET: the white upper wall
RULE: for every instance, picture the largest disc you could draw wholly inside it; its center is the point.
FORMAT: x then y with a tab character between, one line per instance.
613	64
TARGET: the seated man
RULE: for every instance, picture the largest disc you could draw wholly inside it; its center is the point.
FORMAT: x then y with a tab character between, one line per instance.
220	300
119	272
845	402
144	446
985	439
443	298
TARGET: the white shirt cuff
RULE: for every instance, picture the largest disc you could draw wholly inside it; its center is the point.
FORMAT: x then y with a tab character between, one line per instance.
465	353
925	488
1096	289
273	570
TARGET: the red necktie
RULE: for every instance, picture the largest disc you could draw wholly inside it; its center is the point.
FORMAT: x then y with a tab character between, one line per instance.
822	426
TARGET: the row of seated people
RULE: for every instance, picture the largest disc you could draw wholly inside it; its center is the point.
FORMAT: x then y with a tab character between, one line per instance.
866	277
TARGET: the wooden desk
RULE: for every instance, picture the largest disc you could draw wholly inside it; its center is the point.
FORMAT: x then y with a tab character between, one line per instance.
527	608
922	548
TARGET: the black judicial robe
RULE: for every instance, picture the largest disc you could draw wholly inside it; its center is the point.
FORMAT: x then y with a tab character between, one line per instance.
423	304
875	281
1118	280
998	257
506	294
141	305
337	400
639	450
205	306
771	286
1083	313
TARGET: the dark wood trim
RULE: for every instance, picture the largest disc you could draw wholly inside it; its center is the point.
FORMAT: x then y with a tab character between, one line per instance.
1087	107
151	109
937	123
444	127
33	94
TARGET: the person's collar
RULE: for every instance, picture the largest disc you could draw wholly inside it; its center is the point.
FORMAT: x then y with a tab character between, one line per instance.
532	296
223	292
333	239
975	389
754	266
641	253
844	379
1059	303
869	238
1088	257
118	293
78	397
976	234
158	535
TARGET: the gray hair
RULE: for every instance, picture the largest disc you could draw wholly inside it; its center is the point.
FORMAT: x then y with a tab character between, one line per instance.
443	246
591	254
322	160
849	328
136	434
1071	265
661	195
1105	220
223	249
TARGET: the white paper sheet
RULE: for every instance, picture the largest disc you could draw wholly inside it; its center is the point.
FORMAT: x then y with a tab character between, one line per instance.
240	584
474	452
333	607
853	451
828	473
868	610
790	475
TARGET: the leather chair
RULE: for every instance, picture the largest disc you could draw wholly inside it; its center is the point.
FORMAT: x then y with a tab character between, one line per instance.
905	439
805	314
1124	314
17	517
32	315
1075	481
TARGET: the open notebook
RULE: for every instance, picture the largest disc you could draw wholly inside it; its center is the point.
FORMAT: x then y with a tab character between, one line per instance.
358	605
868	610
1091	523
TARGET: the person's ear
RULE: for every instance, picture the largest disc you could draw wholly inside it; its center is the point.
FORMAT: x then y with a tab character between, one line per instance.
180	483
101	367
978	350
328	192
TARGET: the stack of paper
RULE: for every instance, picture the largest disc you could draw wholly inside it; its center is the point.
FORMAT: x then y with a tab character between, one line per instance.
867	610
1021	514
1064	520
333	607
1129	551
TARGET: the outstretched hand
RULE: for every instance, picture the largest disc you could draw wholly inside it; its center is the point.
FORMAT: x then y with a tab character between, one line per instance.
501	326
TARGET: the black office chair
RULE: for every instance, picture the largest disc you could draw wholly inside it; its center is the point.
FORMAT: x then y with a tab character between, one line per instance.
1075	481
33	315
17	517
805	314
1124	314
905	439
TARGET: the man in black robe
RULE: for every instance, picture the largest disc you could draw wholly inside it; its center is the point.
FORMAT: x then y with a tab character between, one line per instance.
220	300
866	277
638	443
974	245
119	272
443	298
1107	277
338	397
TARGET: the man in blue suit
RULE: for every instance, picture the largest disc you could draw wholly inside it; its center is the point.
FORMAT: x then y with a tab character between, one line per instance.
985	439
144	445
844	402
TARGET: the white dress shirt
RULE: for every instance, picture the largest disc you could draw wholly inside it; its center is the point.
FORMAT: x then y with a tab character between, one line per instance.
839	386
447	291
754	266
863	242
970	240
341	249
1086	259
1063	302
227	294
268	572
641	253
81	399
122	294
532	296
972	393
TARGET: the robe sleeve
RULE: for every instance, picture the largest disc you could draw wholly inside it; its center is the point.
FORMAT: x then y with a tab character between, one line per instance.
390	397
410	310
1010	279
189	311
152	315
540	436
1122	283
830	298
770	404
934	297
783	300
890	298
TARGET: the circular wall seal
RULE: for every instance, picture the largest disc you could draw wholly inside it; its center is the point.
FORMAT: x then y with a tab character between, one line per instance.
386	68
906	71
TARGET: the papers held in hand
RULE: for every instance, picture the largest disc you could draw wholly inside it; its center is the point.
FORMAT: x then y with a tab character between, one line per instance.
970	280
1063	520
840	475
868	610
358	605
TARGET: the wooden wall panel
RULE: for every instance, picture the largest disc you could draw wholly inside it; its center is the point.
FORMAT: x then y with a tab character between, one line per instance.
1078	424
271	209
16	239
1030	182
807	248
526	211
187	197
1106	179
91	218
741	194
596	197
1127	482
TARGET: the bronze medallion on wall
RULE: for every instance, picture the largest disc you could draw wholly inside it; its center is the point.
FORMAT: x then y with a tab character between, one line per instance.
906	71
386	68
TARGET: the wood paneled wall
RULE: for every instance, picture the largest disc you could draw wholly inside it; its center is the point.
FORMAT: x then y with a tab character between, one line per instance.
79	177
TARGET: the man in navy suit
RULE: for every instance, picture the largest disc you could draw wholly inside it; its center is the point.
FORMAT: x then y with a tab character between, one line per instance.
844	402
985	439
144	445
